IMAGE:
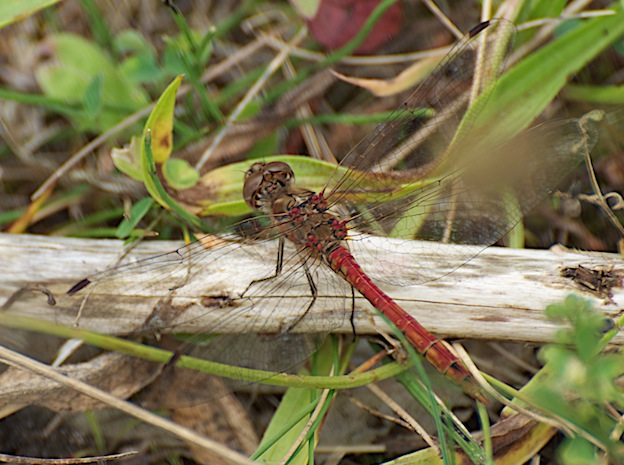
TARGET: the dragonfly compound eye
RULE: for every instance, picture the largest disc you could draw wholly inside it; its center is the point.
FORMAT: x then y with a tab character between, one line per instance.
254	169
264	181
251	188
279	170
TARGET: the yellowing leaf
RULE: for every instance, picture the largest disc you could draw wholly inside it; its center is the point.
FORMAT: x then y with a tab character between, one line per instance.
160	122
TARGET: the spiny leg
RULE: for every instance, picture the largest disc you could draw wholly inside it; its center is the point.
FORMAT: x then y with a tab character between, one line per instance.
313	292
278	267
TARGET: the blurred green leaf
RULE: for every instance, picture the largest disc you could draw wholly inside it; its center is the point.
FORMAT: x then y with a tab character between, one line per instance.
131	41
306	8
587	326
12	11
172	61
128	159
76	62
140	64
579	383
92	99
177	48
577	451
137	212
264	147
605	95
179	174
538	10
522	93
141	69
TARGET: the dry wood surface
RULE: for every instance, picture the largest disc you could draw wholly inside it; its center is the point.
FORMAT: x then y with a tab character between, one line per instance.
500	294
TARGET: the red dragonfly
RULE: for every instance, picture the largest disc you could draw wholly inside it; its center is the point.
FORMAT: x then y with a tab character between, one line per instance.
443	198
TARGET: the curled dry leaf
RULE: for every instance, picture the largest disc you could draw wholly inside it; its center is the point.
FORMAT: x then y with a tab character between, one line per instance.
118	374
403	81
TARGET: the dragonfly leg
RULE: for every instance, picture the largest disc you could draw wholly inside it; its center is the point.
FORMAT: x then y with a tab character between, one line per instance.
278	268
313	292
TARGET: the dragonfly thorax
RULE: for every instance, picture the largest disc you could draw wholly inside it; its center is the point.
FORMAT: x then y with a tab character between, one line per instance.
303	217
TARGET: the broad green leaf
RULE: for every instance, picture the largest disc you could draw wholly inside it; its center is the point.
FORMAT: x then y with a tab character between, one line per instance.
81	59
224	185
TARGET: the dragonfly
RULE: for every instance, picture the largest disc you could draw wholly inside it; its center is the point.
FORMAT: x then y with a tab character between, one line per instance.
472	199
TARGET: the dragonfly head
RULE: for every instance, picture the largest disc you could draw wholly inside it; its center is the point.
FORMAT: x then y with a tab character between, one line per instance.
265	183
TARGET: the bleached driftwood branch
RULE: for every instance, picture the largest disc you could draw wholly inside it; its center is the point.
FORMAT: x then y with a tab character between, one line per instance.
500	294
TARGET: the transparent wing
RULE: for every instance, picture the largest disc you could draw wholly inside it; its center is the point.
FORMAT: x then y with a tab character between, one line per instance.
418	143
476	204
460	186
223	292
225	285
